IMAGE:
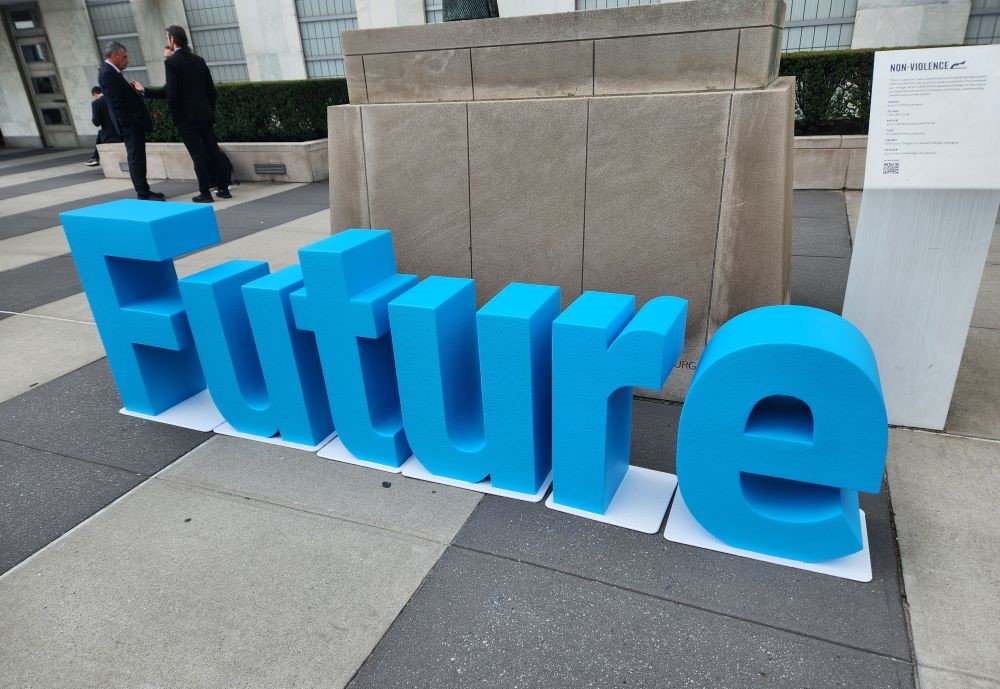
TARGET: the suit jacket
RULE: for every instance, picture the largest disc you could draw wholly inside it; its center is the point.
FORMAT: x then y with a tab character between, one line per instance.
100	116
190	89
125	105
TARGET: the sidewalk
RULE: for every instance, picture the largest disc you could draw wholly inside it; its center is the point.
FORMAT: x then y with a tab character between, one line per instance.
140	555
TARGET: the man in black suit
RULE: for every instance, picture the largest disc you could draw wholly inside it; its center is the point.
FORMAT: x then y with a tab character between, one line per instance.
101	118
128	115
191	99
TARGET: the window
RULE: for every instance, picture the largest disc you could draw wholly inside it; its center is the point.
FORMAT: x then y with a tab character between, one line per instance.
46	85
984	23
112	20
36	52
434	11
320	23
818	24
55	116
215	35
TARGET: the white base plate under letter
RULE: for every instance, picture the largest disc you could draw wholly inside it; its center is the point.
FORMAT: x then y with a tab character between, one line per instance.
227	429
336	451
683	528
640	503
412	468
197	412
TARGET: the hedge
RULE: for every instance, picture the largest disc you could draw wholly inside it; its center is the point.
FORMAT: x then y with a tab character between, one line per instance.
833	90
263	111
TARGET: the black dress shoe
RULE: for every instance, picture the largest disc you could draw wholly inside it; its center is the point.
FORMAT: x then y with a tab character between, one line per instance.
223	194
151	196
203	198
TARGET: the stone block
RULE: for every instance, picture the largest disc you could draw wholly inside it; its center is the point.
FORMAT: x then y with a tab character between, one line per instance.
753	254
757	61
821	168
854	141
429	76
357	89
651	214
348	185
855	176
527	167
541	70
672	17
417	158
818	141
702	61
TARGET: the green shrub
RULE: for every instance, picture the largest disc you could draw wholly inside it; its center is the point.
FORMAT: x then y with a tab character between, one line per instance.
263	111
833	90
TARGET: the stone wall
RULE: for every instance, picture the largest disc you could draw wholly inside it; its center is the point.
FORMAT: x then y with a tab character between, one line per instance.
830	162
644	150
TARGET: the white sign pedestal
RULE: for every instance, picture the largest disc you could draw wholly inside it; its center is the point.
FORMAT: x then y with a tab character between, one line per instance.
932	192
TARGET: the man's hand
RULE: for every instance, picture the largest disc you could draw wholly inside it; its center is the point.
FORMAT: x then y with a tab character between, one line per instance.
137	86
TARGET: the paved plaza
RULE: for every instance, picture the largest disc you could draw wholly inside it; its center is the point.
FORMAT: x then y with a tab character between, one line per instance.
138	555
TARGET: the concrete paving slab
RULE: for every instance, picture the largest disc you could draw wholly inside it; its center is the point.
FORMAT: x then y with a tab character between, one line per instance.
987	311
26	203
37	350
14	165
853	200
933	678
820	282
485	621
975	404
51	178
994	255
72	308
77	415
44	495
181	587
821	237
31	248
304	481
809	203
868	616
38	283
943	489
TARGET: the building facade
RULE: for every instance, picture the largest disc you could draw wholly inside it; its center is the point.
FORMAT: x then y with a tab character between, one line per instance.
50	49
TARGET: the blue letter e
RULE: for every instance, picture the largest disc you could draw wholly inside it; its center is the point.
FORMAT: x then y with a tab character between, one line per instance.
783	424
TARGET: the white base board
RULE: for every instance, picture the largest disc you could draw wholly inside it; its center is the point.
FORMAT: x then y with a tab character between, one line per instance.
197	413
227	429
412	468
336	451
640	503
683	528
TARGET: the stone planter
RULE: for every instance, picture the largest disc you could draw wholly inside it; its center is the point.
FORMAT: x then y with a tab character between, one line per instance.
830	162
304	161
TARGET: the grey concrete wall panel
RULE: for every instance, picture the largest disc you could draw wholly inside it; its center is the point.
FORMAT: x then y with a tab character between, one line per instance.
533	71
527	168
755	222
348	186
434	75
703	61
357	90
673	17
760	51
654	178
417	160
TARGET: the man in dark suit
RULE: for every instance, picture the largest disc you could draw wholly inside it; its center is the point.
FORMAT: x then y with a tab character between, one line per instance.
128	115
191	98
101	118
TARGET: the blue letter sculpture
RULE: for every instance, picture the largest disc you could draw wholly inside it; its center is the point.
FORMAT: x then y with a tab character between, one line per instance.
263	373
350	279
475	388
124	253
600	349
783	424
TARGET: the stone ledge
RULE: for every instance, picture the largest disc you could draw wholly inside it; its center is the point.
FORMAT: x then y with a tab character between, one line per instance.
830	162
304	161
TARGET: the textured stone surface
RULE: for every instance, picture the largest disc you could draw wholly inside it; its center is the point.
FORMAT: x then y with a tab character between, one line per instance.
949	547
854	178
820	282
36	350
357	88
433	75
754	246
533	71
527	164
821	237
183	587
348	185
652	215
759	53
670	62
304	481
418	181
704	15
43	495
975	404
484	621
987	310
821	168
